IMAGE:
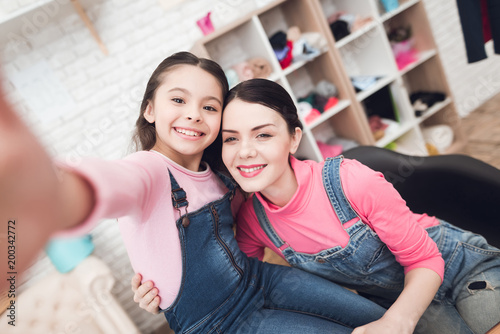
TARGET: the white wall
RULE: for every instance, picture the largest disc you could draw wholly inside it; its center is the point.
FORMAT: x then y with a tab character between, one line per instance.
100	94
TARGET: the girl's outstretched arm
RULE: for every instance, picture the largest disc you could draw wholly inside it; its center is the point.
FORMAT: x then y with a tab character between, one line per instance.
36	199
421	284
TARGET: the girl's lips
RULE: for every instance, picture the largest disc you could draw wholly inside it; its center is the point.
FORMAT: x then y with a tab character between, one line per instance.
189	133
250	171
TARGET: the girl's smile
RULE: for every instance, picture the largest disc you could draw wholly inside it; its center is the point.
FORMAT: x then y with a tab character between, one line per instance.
189	133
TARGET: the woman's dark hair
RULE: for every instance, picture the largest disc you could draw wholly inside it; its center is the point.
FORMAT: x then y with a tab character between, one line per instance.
269	94
145	133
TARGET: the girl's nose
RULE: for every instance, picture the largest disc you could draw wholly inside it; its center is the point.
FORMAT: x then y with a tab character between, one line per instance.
194	115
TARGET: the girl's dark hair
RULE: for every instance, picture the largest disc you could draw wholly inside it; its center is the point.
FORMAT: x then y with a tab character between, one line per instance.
145	133
269	94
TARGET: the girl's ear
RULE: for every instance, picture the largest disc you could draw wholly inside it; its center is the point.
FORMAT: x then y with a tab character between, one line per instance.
149	113
296	137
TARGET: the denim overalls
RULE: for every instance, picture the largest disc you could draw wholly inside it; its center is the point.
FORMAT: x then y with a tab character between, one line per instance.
224	291
368	266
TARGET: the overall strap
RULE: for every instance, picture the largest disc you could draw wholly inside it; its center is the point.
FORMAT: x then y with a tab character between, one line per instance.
179	198
333	187
228	181
260	212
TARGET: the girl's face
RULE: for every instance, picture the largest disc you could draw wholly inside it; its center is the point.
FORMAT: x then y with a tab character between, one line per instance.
256	148
186	110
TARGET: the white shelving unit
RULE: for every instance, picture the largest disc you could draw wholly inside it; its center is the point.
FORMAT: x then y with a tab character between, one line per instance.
365	52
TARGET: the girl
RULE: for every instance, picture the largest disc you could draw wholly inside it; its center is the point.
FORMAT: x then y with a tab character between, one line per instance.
175	214
340	220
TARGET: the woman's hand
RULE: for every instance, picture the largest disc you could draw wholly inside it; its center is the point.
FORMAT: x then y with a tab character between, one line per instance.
385	325
146	295
421	284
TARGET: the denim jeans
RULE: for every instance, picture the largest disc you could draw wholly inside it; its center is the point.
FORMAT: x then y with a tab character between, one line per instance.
468	301
224	291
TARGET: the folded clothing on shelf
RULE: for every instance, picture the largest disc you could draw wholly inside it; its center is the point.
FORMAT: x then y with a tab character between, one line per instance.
423	100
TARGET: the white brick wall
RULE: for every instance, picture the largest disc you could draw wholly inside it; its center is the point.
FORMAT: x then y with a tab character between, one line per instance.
107	90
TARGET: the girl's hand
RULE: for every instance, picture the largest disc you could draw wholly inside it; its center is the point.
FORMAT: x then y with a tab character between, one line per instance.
146	295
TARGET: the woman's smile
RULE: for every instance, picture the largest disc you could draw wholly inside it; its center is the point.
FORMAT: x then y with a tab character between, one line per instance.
250	171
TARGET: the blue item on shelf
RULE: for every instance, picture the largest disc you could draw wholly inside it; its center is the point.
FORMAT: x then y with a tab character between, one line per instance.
390	4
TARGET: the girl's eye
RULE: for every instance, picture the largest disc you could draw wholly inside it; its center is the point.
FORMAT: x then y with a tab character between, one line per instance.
178	100
264	135
209	108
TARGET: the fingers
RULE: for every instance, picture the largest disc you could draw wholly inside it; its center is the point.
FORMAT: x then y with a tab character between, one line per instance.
154	306
148	298
136	282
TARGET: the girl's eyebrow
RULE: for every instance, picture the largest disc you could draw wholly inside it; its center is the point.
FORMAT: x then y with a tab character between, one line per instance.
253	129
185	91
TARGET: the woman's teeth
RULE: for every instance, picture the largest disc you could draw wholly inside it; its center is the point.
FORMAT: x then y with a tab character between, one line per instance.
249	170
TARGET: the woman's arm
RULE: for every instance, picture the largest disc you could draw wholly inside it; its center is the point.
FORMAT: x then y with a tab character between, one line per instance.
401	230
421	285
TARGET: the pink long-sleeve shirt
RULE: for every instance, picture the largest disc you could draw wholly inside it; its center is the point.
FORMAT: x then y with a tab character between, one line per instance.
309	224
137	191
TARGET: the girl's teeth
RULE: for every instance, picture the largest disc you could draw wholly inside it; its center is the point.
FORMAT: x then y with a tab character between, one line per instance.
188	133
249	170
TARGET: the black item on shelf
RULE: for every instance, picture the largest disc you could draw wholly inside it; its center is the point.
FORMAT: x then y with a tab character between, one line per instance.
380	103
422	100
278	40
340	29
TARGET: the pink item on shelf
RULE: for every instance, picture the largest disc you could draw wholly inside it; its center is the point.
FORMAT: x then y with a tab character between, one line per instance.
406	58
404	53
313	114
244	71
205	24
332	102
328	151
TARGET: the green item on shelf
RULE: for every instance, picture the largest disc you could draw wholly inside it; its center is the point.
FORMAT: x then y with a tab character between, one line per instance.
391	146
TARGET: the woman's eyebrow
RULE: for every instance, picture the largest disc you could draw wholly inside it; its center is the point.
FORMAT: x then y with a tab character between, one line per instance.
258	127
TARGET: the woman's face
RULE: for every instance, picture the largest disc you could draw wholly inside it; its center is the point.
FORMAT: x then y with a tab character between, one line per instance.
256	147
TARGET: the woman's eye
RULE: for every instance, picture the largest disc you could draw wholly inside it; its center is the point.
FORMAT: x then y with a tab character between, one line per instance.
178	100
264	135
228	139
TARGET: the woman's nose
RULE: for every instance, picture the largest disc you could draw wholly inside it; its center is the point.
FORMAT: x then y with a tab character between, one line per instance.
247	151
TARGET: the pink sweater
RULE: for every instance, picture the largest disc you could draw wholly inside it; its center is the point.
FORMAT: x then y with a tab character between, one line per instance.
309	224
137	191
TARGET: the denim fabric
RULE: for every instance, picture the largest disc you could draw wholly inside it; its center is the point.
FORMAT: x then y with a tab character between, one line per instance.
367	265
224	291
